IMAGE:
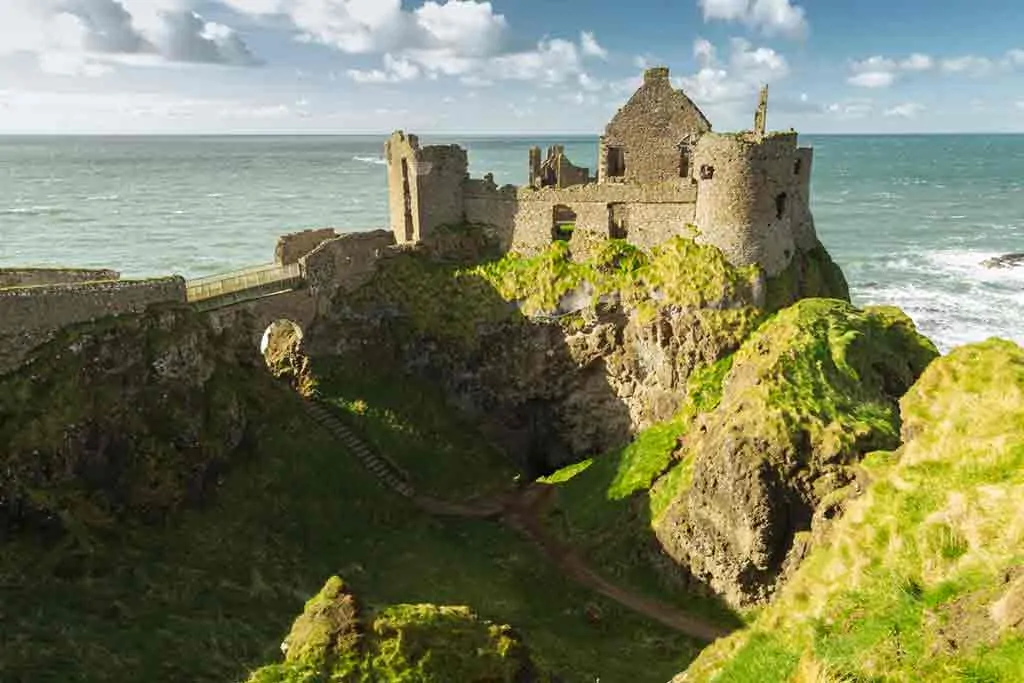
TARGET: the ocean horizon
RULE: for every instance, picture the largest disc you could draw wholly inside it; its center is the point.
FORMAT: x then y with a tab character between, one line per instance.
909	218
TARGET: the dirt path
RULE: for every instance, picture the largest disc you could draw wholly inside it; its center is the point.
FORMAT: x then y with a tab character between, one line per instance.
521	511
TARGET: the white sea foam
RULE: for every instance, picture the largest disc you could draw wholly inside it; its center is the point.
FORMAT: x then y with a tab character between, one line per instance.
103	198
31	211
379	161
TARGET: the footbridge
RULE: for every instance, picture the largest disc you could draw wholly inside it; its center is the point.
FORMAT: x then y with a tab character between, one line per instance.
227	289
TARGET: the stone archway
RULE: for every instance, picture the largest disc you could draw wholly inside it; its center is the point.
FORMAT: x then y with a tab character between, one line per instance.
281	347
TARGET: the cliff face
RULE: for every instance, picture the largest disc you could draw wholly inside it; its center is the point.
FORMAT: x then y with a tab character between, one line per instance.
137	415
563	359
808	396
921	577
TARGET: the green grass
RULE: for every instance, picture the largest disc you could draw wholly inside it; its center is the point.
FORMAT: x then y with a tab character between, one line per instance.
409	420
927	549
210	595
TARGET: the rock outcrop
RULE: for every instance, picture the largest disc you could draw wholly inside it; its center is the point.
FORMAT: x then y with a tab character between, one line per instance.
336	639
809	395
920	578
563	359
1004	261
135	415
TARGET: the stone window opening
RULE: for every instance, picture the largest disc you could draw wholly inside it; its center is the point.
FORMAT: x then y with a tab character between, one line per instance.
407	198
616	162
563	223
617	226
707	172
780	205
798	166
684	163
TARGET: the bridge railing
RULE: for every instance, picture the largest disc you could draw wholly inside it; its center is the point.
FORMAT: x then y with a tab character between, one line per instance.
240	280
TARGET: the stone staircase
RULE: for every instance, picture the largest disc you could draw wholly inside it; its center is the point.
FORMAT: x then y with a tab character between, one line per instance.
390	474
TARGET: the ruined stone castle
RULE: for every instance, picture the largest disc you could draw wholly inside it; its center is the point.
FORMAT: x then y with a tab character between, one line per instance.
661	172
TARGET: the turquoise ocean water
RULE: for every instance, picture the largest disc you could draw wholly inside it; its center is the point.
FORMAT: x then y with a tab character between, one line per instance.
909	218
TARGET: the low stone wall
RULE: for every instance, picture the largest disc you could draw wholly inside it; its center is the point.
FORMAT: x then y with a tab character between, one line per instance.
34	277
344	263
32	315
290	248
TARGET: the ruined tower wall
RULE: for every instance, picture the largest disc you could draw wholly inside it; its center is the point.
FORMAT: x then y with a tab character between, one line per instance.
749	191
804	234
649	129
424	186
290	248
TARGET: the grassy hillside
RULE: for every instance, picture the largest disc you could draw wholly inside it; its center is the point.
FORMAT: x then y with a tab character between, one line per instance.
922	579
210	595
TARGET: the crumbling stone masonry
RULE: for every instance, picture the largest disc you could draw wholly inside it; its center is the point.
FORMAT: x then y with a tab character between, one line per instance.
662	172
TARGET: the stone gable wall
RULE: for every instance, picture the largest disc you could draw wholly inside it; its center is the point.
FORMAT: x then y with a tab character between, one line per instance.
34	277
649	129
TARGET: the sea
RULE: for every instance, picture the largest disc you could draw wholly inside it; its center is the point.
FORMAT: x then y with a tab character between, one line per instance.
909	218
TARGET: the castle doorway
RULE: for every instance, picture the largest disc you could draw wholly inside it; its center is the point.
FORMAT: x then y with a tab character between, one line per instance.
617	228
563	223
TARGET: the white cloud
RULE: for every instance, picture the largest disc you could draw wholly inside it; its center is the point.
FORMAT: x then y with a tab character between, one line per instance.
1015	57
968	64
907	110
917	62
747	69
881	72
588	83
772	17
89	37
872	79
851	109
590	47
396	70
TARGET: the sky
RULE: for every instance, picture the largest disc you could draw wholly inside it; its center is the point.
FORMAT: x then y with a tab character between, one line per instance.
504	66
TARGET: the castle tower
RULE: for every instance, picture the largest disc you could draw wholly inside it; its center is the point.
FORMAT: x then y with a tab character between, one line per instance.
425	186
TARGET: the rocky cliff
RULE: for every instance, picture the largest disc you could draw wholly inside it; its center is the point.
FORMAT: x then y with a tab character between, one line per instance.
921	577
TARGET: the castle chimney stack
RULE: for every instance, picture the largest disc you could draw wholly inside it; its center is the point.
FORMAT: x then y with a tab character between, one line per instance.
656	74
761	115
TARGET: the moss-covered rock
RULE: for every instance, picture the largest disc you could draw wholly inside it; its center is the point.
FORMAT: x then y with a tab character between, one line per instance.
920	579
807	396
811	274
138	414
335	640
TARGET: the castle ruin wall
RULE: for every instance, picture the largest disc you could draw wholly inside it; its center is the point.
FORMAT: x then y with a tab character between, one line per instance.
344	263
652	130
35	277
748	194
32	315
290	248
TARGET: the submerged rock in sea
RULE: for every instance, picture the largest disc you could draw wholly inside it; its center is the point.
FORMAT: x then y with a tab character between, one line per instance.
336	639
1005	261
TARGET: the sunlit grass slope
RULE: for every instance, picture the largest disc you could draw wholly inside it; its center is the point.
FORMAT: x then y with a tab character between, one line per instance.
922	579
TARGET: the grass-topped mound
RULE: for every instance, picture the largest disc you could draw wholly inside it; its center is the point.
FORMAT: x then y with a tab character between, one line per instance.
138	414
453	302
337	639
808	395
766	436
922	579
